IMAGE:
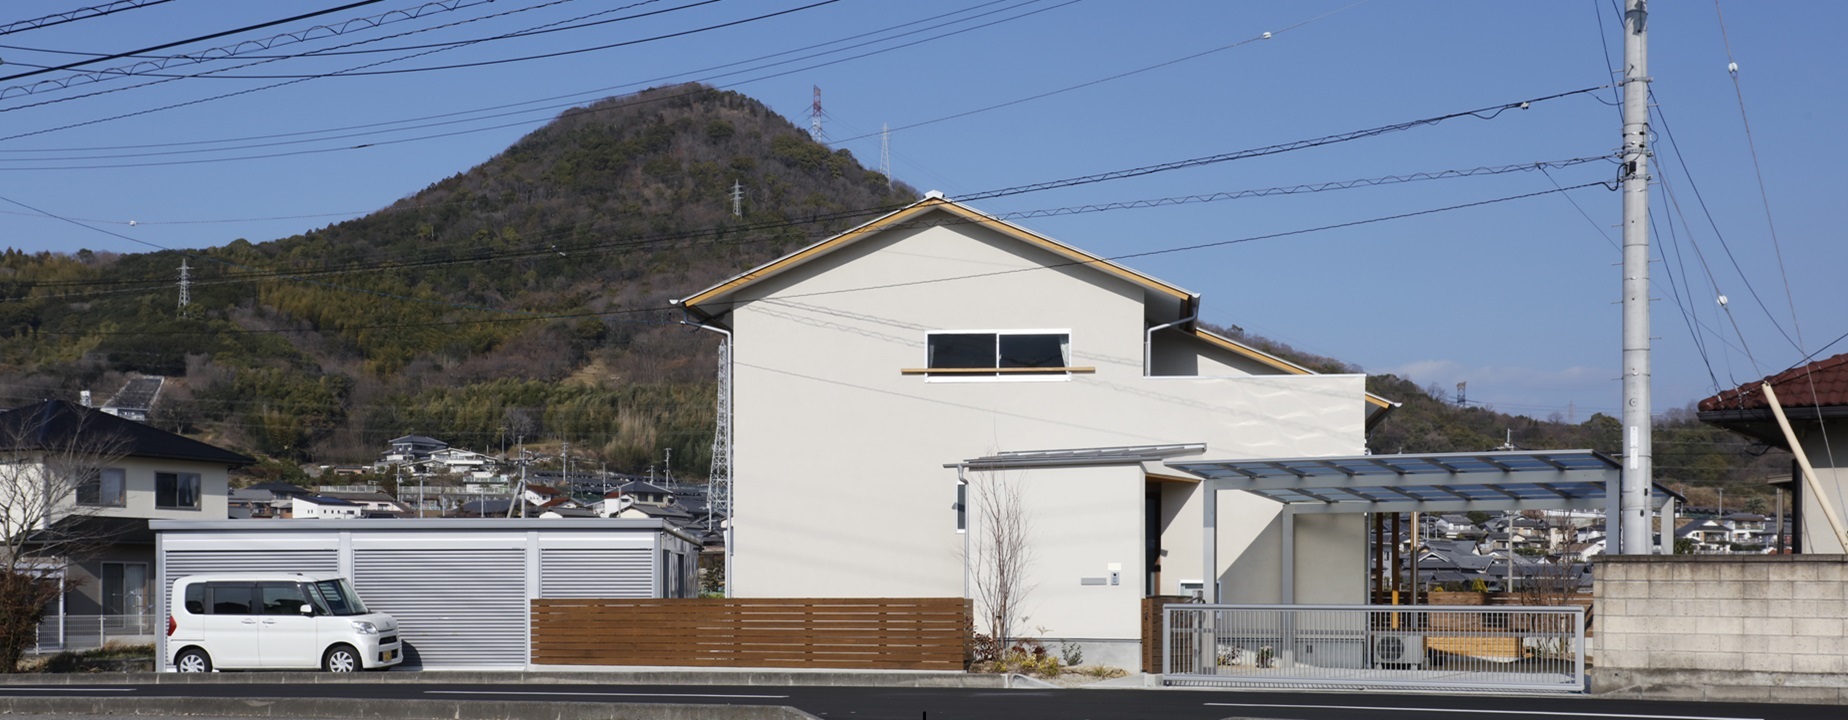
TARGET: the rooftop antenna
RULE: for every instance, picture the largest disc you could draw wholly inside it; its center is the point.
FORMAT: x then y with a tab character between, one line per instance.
815	117
885	154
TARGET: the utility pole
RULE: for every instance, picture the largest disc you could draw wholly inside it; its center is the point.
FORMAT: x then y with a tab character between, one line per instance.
737	197
185	285
815	117
667	469
885	154
1638	465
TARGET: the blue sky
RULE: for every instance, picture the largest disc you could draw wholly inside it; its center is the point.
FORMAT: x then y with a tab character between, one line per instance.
1517	298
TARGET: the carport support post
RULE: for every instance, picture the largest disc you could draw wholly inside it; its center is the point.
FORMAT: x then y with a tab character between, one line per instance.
1209	541
1287	654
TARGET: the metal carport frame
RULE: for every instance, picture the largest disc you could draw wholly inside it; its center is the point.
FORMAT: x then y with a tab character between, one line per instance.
1421	482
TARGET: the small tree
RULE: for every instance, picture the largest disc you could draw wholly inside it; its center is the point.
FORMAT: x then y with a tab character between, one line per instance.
51	454
999	551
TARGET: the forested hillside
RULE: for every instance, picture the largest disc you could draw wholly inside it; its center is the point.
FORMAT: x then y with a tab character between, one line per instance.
526	299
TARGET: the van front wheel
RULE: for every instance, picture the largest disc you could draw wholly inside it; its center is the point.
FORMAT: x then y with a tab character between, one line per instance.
341	659
193	660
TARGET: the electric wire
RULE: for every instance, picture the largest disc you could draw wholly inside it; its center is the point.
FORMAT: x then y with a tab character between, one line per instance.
71	16
1253	39
489	128
189	41
544	246
226	52
886	286
504	106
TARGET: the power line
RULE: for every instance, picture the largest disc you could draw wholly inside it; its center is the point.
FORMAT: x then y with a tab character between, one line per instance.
188	41
76	15
886	286
526	102
537	250
228	51
1256	38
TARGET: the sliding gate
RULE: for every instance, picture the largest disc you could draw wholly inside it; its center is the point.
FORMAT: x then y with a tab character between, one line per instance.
1533	649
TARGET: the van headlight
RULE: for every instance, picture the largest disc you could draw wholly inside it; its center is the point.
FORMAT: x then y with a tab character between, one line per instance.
365	628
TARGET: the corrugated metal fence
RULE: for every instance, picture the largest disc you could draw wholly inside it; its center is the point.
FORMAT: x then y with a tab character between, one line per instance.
1376	646
874	633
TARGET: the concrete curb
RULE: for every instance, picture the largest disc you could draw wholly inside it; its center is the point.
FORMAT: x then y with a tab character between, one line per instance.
476	677
391	709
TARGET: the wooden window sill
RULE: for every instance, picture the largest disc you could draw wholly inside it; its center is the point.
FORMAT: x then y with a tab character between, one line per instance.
996	371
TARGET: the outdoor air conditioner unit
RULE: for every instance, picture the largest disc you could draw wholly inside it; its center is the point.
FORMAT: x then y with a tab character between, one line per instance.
1398	649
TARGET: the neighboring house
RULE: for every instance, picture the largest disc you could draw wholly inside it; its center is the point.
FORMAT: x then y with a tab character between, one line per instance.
412	448
136	398
140	473
322	507
249	504
374	504
647	493
908	368
1815	400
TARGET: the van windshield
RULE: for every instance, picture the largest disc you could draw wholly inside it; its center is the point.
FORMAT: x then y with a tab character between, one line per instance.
338	597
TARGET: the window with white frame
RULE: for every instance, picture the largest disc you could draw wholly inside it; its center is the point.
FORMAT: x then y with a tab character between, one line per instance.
176	490
105	487
1030	353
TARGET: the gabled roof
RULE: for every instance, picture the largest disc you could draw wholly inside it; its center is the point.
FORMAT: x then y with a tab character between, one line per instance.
642	486
51	425
418	440
715	297
326	501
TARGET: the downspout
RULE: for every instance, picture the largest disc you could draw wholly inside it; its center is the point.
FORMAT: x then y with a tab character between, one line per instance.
1148	344
731	510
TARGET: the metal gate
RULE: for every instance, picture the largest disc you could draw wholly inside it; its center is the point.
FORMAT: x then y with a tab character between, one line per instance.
1534	649
453	607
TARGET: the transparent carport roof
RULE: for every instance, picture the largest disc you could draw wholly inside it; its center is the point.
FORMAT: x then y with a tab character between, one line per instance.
1433	482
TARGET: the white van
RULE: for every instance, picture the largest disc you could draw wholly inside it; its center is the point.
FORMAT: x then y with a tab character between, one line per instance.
262	621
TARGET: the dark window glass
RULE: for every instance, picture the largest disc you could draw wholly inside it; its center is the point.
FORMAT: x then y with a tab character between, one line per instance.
195	598
230	599
1032	351
962	350
176	490
104	487
282	598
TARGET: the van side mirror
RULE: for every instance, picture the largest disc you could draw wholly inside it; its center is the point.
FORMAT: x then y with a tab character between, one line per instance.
307	609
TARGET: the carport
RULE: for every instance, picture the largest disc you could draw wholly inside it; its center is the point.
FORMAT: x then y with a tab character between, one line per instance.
1421	482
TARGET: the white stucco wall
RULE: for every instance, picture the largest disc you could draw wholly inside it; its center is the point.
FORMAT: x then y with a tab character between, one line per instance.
1818	539
822	411
139	482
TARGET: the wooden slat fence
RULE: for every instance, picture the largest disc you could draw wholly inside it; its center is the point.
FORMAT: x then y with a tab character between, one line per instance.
1151	629
872	633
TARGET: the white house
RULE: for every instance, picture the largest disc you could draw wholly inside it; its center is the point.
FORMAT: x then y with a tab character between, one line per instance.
96	528
910	367
321	507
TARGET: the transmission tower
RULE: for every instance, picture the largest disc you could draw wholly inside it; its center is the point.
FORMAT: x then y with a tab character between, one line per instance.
719	481
737	198
185	284
885	153
815	117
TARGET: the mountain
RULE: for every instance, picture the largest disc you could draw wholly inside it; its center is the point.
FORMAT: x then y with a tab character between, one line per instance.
526	300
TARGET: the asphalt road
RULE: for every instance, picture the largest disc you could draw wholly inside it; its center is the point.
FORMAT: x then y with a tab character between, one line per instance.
962	704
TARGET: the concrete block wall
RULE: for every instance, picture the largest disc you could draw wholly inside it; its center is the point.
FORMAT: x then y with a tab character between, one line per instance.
1764	628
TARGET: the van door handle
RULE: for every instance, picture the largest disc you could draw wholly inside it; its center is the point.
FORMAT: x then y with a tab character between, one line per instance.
250	622
269	622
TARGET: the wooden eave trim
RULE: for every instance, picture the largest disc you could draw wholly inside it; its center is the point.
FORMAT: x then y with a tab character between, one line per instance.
881	224
990	371
1152	477
1252	353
